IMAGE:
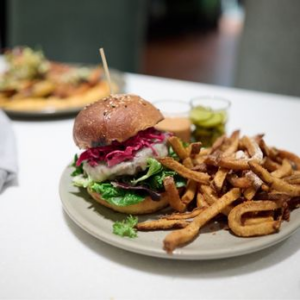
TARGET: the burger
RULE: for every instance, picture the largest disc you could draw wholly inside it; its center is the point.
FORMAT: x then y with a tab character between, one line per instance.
120	144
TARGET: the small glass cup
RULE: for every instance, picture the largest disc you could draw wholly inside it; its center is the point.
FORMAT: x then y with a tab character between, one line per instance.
176	114
209	115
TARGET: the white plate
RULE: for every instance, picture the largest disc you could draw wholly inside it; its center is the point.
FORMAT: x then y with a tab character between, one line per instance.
98	221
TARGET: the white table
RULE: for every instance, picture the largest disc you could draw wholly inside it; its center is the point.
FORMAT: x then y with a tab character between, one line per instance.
44	255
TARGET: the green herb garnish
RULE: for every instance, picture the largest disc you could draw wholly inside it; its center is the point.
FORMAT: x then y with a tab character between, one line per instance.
126	227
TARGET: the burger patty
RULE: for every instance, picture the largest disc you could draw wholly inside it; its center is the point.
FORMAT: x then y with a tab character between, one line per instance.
102	172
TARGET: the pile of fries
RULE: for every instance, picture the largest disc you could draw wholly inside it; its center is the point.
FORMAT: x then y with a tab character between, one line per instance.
254	186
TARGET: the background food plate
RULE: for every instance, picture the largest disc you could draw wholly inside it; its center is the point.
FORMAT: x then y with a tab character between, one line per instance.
210	244
117	77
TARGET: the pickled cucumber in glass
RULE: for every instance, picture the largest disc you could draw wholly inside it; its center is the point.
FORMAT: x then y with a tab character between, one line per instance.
209	124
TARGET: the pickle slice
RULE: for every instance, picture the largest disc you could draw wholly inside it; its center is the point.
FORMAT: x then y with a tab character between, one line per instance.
200	114
215	120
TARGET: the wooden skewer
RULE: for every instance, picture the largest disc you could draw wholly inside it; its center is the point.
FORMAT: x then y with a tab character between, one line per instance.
106	70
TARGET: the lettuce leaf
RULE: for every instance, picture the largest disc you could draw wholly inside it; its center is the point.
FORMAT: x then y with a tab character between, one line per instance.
82	181
156	181
153	194
154	167
78	169
117	196
126	227
149	183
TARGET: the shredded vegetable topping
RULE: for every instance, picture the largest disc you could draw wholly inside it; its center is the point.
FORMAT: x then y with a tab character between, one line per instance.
118	152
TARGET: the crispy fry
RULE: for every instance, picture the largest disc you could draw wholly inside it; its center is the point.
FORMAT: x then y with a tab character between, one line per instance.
265	182
264	148
161	224
188	163
257	220
190	192
249	193
201	202
200	167
265	187
258	138
199	159
290	156
204	152
293	179
219	178
194	149
256	181
218	143
276	183
233	147
210	197
233	163
172	194
253	149
187	234
236	224
235	134
185	215
274	196
284	170
270	165
211	160
178	148
183	171
240	182
208	194
273	154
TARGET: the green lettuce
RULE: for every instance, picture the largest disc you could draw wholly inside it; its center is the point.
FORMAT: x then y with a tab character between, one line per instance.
82	181
156	181
152	179
154	167
116	196
78	169
126	227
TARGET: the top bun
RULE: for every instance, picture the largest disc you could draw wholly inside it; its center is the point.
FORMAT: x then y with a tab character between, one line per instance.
115	118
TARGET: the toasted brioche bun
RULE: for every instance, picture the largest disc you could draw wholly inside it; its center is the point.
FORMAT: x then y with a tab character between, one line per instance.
145	207
115	118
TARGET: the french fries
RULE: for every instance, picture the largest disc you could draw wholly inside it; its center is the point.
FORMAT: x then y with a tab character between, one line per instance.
170	163
260	228
190	192
284	170
180	237
275	183
186	215
219	178
161	224
201	202
178	147
254	186
173	196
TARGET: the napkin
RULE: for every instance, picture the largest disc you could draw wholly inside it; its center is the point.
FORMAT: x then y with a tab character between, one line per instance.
8	154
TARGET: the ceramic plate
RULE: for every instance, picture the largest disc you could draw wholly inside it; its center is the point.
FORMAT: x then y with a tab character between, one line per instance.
117	77
212	243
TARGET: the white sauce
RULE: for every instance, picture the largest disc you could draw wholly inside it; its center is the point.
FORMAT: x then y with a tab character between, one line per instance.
102	172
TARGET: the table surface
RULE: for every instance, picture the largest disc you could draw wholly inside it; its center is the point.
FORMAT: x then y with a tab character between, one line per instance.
44	255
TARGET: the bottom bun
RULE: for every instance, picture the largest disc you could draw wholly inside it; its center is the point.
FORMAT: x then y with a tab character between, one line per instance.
145	207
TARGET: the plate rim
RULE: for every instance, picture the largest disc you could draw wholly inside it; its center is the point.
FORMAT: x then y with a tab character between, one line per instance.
179	253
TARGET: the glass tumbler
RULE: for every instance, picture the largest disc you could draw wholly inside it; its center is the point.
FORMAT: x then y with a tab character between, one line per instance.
209	116
177	121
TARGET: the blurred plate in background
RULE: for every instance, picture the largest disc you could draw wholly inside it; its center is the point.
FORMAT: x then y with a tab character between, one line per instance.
56	107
